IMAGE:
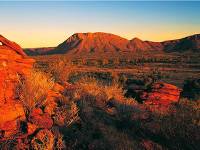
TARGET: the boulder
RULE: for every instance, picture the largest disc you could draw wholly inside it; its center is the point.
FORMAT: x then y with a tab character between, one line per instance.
13	65
11	117
161	94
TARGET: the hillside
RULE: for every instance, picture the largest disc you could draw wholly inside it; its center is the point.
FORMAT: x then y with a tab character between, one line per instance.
185	44
140	45
92	43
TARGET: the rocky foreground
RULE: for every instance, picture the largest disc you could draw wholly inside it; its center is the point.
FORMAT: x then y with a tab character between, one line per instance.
15	121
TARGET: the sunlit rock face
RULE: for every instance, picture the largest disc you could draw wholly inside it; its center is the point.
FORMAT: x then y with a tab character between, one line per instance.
13	64
161	95
158	95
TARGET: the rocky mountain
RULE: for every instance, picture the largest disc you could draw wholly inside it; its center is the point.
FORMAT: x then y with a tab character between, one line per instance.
99	42
139	45
92	43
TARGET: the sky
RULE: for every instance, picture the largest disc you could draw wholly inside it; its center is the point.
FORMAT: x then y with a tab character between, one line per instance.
48	23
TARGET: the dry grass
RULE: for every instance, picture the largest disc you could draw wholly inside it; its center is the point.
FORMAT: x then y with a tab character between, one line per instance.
61	70
178	130
94	87
59	142
66	114
92	104
34	89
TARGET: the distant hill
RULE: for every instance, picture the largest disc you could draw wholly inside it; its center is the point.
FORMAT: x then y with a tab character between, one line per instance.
99	42
38	51
190	43
92	43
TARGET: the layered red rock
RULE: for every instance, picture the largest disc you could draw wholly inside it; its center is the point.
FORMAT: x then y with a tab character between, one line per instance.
13	64
161	94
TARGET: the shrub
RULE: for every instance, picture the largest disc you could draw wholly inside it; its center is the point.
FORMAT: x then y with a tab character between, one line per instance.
191	89
34	88
43	140
66	114
61	71
60	143
180	128
90	85
94	88
114	91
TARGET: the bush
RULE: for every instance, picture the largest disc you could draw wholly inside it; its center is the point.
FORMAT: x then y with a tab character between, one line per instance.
191	89
95	88
66	114
180	129
34	88
43	140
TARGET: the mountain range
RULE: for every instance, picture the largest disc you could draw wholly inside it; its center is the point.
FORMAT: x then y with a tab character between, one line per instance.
99	42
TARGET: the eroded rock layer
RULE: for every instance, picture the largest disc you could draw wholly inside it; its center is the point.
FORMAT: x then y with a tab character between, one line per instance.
13	64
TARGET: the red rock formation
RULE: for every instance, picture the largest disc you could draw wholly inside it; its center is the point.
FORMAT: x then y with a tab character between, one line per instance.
161	94
12	45
12	65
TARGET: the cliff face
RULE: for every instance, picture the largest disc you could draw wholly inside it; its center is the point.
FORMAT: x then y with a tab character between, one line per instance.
13	64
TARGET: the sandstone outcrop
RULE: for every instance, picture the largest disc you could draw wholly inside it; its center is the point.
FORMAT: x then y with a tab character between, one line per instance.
161	95
13	64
